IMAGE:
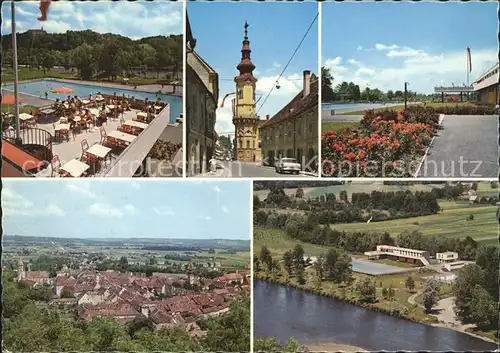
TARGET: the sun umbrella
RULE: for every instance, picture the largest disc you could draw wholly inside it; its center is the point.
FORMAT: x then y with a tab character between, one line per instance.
9	100
62	90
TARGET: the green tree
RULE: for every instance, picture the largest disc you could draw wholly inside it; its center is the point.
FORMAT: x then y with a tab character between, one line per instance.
467	279
366	290
82	58
431	294
48	61
299	193
484	309
410	283
265	257
288	262
327	93
231	331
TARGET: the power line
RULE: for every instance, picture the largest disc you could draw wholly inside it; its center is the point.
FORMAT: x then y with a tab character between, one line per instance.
232	79
289	61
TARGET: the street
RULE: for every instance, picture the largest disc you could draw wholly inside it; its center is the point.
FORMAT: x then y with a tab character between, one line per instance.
235	169
466	147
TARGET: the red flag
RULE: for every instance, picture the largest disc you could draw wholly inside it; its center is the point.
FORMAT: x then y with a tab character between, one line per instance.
233	101
469	60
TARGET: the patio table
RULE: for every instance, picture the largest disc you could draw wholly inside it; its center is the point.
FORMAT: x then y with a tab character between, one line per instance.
99	151
60	127
25	116
134	123
75	168
122	136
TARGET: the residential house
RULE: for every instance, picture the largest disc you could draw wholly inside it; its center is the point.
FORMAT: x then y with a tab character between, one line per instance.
293	131
202	94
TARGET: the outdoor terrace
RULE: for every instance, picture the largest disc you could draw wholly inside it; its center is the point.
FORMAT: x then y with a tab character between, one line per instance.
118	147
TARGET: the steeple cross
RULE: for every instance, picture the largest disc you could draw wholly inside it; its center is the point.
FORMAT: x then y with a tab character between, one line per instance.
246	29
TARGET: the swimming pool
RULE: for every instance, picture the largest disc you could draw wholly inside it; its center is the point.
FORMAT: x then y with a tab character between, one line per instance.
372	268
39	87
356	106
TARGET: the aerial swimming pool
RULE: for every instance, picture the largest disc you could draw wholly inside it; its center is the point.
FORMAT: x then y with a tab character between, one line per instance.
39	87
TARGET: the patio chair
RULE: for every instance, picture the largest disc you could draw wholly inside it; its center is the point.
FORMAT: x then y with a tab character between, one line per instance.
85	146
55	164
103	135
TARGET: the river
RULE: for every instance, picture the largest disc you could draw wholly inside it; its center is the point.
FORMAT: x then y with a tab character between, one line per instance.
283	312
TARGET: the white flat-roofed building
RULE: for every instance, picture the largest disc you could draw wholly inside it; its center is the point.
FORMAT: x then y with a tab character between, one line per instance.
486	87
448	256
451	266
419	257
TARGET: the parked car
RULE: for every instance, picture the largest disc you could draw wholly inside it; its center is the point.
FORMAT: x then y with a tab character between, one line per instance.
287	165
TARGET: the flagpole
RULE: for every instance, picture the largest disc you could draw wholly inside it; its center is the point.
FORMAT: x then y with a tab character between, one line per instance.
16	78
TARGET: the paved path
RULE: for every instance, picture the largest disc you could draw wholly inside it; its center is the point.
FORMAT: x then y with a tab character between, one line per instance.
466	147
341	118
234	169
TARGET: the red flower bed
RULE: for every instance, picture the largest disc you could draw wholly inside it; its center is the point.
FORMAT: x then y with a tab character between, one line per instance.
385	143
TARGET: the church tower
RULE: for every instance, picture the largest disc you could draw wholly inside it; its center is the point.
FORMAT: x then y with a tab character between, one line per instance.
245	120
190	274
21	274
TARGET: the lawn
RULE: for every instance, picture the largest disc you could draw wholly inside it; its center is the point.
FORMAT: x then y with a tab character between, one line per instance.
338	126
32	74
9	109
450	222
237	259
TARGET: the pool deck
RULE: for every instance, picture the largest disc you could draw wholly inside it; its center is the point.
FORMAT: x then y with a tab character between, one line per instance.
28	99
149	88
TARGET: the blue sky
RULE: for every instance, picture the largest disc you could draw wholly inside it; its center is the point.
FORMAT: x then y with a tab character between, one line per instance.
125	208
136	19
275	31
382	45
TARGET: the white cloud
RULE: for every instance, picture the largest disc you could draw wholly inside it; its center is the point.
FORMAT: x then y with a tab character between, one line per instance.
217	189
162	211
14	204
101	209
205	218
81	187
55	210
130	209
359	48
132	19
224	209
379	46
422	69
135	185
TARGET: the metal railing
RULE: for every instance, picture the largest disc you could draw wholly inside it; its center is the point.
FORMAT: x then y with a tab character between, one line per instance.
35	141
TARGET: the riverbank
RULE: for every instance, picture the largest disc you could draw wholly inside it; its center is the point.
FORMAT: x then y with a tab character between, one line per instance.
430	321
333	347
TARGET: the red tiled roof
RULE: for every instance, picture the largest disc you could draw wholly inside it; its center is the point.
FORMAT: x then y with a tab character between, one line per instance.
108	309
36	275
296	106
230	277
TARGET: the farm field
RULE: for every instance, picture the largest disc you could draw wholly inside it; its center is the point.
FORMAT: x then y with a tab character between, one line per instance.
484	189
451	222
278	243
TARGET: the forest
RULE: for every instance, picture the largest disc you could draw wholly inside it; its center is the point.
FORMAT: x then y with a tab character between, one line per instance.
95	55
